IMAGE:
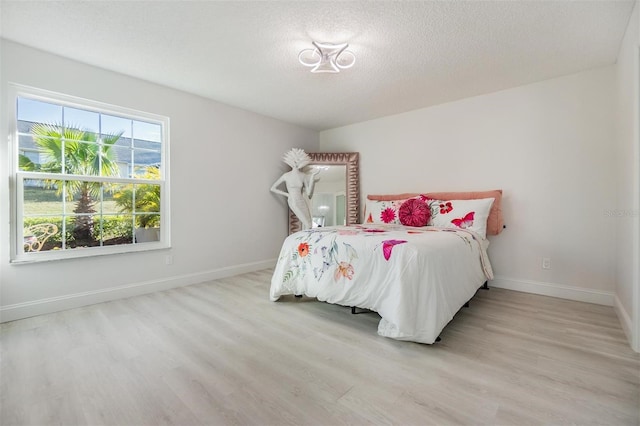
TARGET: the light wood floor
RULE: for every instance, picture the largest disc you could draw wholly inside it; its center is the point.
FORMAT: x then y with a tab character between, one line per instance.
221	353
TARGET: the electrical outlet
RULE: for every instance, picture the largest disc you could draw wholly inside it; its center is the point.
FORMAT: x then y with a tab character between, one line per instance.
168	259
546	263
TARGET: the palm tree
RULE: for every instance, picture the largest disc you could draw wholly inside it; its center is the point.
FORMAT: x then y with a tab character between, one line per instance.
80	153
147	199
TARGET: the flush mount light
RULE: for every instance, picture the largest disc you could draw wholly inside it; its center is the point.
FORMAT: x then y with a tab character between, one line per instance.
327	57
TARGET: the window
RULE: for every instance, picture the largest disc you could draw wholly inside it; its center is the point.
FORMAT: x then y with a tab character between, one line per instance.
89	178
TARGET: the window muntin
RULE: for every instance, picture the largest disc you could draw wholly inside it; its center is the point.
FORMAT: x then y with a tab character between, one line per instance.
97	173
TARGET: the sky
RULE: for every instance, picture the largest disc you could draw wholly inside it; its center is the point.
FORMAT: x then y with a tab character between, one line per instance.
43	112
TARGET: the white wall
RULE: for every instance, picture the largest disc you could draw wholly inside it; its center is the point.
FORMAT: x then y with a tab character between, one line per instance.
627	221
223	161
548	145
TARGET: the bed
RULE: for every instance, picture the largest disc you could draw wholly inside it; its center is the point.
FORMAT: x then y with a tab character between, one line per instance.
415	277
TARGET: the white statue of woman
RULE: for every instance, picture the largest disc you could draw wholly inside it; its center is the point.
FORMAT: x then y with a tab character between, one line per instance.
299	185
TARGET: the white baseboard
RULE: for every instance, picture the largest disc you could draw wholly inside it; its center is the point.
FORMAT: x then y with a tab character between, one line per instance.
561	291
60	303
70	301
623	316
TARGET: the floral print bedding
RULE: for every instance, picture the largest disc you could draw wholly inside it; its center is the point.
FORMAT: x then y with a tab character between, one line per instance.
415	278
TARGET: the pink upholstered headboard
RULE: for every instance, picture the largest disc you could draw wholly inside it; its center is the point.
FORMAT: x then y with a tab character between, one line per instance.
495	222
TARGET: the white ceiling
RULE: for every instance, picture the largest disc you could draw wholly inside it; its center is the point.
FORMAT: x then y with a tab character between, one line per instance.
409	54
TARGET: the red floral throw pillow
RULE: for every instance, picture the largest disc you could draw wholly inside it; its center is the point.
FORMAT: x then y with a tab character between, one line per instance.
414	212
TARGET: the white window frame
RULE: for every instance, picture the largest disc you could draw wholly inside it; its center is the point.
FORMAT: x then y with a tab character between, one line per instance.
17	177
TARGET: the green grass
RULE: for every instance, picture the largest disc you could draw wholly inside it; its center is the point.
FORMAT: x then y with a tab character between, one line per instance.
39	201
55	207
40	195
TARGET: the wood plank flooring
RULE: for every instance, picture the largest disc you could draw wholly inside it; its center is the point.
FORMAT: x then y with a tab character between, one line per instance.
221	353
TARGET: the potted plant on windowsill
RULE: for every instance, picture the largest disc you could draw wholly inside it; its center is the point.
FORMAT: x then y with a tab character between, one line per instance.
146	207
148	228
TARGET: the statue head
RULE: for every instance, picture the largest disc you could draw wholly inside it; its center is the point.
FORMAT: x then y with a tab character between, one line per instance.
296	158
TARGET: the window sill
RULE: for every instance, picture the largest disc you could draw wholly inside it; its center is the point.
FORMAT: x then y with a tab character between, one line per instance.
77	253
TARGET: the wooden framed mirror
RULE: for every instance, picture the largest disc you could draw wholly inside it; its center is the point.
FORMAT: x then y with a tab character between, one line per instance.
336	197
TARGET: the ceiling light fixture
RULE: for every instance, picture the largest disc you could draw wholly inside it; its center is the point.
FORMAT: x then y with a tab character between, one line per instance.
327	57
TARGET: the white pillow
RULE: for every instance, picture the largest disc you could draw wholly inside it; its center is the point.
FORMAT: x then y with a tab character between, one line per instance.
464	214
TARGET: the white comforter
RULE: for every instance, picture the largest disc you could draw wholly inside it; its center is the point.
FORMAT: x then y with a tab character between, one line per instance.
415	278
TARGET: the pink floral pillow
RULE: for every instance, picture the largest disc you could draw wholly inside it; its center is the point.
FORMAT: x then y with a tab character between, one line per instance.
461	214
382	211
414	212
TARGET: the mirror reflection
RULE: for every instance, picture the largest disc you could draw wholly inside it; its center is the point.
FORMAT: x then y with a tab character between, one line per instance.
336	198
329	198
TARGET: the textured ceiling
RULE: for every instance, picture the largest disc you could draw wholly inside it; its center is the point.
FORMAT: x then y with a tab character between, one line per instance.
409	54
